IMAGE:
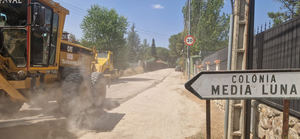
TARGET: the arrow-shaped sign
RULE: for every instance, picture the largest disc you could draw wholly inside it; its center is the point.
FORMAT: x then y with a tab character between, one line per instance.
246	84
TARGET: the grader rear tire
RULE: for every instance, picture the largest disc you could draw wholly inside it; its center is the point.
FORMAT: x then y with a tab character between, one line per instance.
70	90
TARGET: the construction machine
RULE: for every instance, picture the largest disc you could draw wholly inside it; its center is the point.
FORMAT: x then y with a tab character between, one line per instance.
34	56
105	65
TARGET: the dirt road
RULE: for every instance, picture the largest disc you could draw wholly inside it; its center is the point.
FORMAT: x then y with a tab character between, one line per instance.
157	111
152	105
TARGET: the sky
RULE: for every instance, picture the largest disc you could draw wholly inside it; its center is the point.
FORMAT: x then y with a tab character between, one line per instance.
158	19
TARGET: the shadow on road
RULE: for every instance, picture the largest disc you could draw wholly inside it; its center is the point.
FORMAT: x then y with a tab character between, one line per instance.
58	128
43	130
126	80
30	110
111	103
107	121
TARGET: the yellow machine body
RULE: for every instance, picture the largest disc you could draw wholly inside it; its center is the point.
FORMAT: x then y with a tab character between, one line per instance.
105	65
37	62
104	62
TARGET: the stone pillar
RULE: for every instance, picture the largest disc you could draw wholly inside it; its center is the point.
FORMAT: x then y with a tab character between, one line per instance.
195	69
220	103
207	66
200	68
217	62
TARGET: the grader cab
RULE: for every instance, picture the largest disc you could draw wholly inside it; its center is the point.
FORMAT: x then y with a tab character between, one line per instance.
33	55
105	65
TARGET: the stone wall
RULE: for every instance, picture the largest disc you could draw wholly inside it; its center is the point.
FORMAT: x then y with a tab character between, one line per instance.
270	123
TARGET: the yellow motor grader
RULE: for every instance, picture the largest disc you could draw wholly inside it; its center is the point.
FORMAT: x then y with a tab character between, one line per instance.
33	55
105	65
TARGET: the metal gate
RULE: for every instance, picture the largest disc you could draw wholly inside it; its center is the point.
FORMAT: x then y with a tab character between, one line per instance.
278	48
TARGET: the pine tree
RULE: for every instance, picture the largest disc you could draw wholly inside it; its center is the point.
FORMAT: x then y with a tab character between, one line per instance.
289	10
143	50
133	44
153	49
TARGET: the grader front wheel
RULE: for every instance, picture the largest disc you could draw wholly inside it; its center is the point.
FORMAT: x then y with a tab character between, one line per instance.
98	89
75	99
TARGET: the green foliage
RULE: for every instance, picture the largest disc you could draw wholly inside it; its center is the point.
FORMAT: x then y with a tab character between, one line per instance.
176	45
133	44
278	17
177	48
161	54
153	49
105	29
290	9
208	26
143	50
136	50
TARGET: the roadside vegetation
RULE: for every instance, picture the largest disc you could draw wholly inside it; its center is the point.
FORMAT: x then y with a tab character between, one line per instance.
106	30
289	10
210	27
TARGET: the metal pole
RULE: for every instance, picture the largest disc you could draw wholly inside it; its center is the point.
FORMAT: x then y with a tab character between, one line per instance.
255	119
285	126
228	68
208	135
247	119
249	65
188	47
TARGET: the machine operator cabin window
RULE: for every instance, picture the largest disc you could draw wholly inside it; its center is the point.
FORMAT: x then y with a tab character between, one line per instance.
13	21
41	48
53	38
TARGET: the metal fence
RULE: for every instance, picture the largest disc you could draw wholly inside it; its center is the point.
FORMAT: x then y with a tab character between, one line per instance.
278	48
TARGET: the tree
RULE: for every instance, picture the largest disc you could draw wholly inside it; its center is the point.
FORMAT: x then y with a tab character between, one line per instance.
291	9
209	27
143	50
176	45
133	44
105	29
153	49
232	5
176	48
162	53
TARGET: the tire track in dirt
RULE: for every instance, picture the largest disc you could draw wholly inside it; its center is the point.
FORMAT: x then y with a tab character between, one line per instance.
145	89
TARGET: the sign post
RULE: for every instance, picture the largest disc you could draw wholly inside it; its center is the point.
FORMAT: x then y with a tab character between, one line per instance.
189	40
251	84
208	121
285	123
246	84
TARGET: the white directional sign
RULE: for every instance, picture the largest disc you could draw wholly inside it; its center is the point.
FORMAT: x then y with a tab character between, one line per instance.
246	84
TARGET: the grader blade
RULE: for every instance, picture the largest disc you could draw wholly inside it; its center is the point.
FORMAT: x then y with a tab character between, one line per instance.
10	90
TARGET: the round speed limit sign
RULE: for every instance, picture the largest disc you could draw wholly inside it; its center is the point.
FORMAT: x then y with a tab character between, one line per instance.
189	40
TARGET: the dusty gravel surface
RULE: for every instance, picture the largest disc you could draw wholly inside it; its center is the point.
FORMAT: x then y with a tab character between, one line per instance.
158	112
152	105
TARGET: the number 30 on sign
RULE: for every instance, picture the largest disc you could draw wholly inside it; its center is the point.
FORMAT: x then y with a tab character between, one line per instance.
189	40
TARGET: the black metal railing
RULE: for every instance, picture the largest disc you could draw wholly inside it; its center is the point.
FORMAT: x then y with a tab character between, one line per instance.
278	48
